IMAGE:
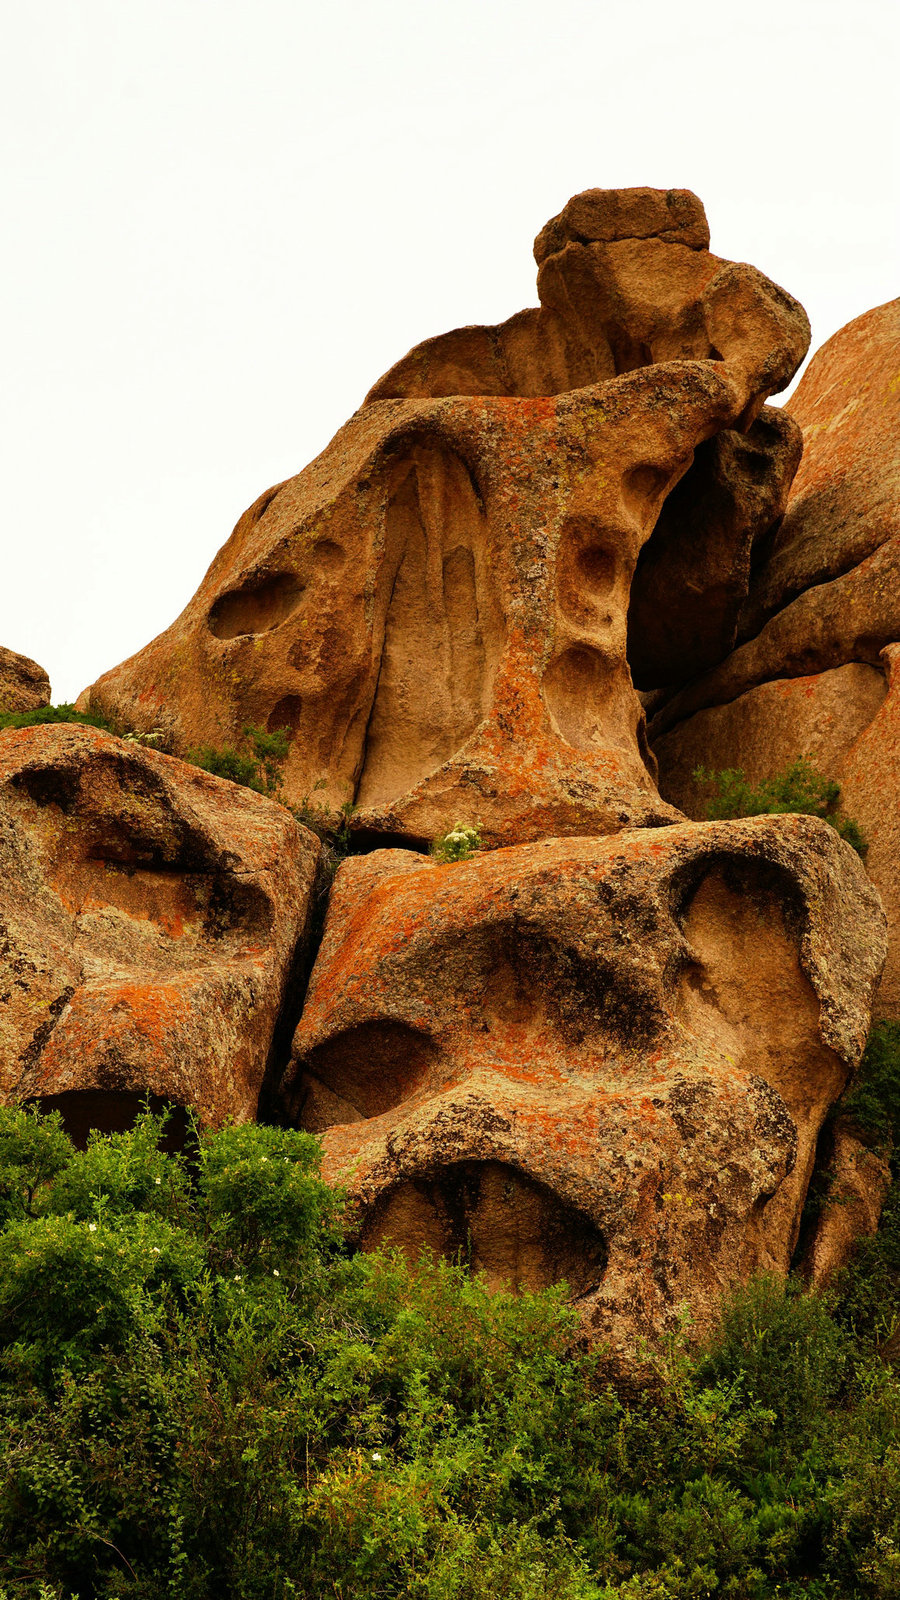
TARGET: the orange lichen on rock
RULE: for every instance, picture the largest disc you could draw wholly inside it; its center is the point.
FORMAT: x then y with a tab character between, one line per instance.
24	686
152	917
436	610
604	1049
526	1055
818	680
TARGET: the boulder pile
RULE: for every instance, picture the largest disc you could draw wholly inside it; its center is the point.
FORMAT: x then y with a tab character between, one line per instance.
541	558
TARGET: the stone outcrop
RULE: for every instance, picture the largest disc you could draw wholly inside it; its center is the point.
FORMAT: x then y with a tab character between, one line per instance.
151	916
818	679
702	548
766	729
846	497
24	686
604	1049
436	610
606	1060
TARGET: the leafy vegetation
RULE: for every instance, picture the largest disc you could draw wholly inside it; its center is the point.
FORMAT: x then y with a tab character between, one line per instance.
873	1102
800	788
204	1390
259	765
61	713
460	844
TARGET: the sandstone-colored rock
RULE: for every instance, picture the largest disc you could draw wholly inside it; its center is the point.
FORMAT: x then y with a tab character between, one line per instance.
151	917
693	573
856	1181
765	730
847	723
606	215
845	501
605	1060
24	686
827	592
618	290
436	609
870	793
852	618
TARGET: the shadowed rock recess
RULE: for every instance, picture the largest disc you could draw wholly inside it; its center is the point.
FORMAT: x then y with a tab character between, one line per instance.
603	1049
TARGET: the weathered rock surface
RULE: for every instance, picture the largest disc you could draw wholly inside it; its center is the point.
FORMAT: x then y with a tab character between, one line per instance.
605	1060
846	497
766	729
436	609
855	1180
826	593
870	793
625	280
150	917
819	678
693	573
850	619
24	686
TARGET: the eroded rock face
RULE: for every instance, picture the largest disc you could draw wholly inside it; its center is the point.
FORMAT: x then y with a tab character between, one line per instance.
150	919
855	1180
24	686
693	574
826	592
845	502
764	731
437	608
600	1059
818	679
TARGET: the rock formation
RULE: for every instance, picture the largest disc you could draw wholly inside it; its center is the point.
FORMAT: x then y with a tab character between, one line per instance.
151	915
437	609
605	1048
606	1060
816	673
24	686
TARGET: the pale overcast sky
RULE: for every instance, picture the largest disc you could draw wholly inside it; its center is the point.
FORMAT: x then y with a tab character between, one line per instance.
225	218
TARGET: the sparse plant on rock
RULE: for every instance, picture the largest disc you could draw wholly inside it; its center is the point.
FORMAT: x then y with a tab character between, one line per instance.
460	844
259	767
800	788
61	713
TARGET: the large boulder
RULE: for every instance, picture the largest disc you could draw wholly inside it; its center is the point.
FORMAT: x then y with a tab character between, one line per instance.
24	686
152	919
436	610
604	1060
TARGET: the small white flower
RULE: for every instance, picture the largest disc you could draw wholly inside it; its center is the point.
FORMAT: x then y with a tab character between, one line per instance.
237	1277
159	1180
154	1251
92	1227
376	1455
275	1273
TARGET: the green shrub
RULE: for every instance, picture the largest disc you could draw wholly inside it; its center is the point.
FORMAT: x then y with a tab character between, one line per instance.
258	766
205	1390
873	1102
61	713
800	788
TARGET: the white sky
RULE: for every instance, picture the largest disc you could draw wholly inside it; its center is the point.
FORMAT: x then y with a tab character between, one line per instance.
225	218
